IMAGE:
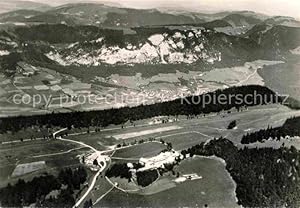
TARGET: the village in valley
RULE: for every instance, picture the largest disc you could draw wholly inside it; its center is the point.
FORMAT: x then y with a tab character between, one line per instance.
149	104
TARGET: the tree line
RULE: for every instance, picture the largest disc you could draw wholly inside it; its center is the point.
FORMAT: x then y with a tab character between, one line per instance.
35	191
290	128
192	105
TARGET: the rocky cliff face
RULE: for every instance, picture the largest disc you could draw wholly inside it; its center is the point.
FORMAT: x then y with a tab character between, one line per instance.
166	48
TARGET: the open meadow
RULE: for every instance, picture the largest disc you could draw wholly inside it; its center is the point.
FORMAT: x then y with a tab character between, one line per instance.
141	150
214	184
214	189
17	160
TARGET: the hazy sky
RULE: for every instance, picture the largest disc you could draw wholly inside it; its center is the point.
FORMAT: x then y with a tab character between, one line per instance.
273	7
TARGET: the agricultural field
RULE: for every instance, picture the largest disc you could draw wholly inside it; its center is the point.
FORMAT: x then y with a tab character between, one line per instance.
184	140
27	133
142	150
26	168
67	90
94	139
18	163
145	132
108	137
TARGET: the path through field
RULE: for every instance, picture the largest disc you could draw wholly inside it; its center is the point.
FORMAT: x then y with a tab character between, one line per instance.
91	186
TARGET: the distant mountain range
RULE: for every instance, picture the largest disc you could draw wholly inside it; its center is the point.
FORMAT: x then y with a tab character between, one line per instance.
99	43
116	17
94	46
93	34
13	5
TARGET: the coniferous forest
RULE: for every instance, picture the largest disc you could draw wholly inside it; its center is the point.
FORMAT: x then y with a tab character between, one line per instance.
265	177
234	97
290	128
37	191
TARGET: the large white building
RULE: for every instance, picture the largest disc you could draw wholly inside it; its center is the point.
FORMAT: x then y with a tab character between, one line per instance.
159	161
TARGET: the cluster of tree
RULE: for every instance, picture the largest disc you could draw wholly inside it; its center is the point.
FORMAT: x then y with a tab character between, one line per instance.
193	105
232	124
145	178
65	199
8	64
26	193
169	167
73	178
292	103
265	177
135	142
169	146
58	33
35	191
220	147
289	128
119	170
88	204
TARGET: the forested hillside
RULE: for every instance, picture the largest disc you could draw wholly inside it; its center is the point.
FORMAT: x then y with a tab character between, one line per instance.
265	177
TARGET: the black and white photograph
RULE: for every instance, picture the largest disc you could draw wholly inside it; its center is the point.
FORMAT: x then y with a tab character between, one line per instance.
150	103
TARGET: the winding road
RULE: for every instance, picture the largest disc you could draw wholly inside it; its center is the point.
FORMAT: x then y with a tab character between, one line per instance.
189	124
92	184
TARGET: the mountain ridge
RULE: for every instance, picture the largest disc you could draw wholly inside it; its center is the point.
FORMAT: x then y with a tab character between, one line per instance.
13	5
